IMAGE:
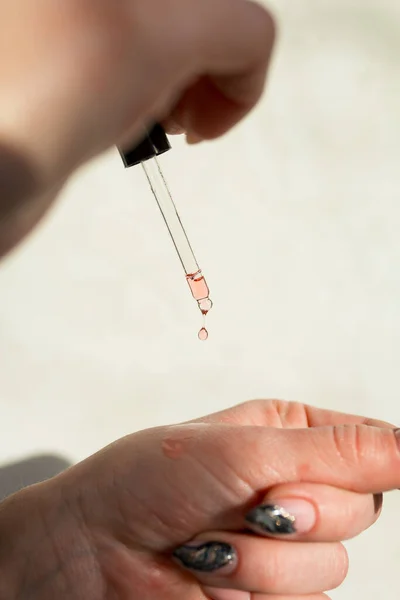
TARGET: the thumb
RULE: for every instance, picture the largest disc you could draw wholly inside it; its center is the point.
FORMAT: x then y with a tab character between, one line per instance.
235	42
356	457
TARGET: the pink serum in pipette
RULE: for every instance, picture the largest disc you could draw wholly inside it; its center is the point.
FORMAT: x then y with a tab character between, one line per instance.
194	276
201	293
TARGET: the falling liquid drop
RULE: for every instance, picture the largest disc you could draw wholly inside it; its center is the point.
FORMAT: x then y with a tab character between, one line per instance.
203	334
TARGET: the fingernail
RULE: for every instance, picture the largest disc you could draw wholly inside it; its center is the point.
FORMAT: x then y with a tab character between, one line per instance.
206	557
286	518
192	139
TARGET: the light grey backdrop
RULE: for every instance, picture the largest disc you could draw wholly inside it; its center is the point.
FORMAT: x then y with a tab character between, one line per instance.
295	219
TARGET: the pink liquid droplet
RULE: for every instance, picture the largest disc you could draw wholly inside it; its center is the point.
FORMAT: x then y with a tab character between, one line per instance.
203	334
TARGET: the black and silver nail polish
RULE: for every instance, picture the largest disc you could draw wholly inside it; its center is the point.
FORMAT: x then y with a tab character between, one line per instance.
272	519
207	557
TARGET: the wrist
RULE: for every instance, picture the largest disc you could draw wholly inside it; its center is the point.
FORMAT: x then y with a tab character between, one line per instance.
42	545
10	557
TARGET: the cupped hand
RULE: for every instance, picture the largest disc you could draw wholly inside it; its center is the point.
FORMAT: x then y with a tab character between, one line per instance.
77	77
245	504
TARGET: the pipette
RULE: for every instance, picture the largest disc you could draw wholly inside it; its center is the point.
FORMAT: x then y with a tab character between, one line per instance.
154	144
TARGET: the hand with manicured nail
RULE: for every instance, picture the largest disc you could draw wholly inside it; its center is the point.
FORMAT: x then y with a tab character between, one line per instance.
241	505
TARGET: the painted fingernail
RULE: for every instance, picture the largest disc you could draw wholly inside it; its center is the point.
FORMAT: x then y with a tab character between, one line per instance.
206	557
286	518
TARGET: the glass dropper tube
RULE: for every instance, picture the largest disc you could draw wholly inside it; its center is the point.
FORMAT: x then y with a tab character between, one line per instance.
194	276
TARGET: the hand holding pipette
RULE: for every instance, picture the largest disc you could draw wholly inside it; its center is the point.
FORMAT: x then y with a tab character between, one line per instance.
77	78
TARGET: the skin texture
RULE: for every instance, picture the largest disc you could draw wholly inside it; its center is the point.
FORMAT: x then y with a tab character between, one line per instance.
106	528
83	76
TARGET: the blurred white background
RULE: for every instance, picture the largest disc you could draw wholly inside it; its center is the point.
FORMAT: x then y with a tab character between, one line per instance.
294	218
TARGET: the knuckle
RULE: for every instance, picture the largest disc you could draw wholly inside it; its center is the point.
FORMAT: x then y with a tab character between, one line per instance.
271	411
350	443
278	413
358	445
